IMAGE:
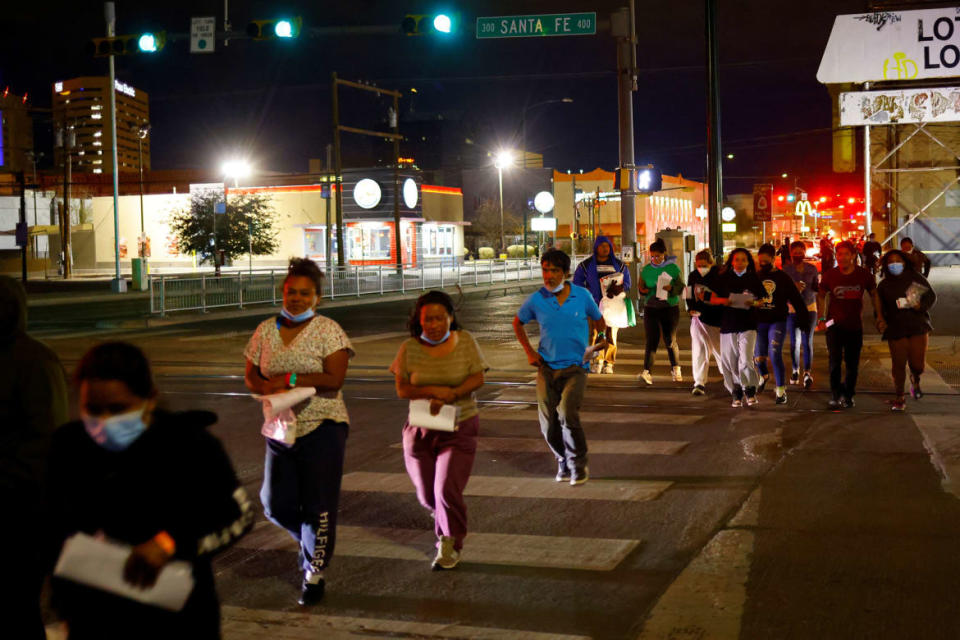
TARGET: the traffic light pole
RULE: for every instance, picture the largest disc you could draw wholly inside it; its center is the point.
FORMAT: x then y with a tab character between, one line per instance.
119	285
338	168
714	169
624	29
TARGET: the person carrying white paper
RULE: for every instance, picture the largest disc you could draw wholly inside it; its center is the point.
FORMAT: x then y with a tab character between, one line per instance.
443	364
301	481
156	481
662	284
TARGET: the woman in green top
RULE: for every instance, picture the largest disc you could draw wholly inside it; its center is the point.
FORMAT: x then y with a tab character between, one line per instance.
441	363
661	316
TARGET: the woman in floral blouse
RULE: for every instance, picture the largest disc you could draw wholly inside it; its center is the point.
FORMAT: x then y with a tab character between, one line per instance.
301	484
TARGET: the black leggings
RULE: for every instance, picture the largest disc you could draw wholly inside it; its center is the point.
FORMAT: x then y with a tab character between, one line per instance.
663	321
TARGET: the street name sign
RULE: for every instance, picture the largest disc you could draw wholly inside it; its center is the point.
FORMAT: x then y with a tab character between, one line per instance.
203	34
550	24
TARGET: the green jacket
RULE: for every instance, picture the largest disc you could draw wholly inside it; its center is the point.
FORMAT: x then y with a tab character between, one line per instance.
649	276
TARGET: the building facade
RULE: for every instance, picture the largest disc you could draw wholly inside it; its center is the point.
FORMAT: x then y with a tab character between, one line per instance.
16	133
83	104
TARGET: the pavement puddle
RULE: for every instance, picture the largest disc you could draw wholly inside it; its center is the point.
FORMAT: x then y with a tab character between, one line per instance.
520	550
240	623
620	490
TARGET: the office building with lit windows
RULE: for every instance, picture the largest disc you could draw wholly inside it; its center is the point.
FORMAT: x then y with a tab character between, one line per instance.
83	104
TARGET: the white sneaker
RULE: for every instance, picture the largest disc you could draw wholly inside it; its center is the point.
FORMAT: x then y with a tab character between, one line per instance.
596	366
645	376
447	557
607	367
676	374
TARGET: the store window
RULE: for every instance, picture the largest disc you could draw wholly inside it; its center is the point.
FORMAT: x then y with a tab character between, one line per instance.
368	242
314	241
438	240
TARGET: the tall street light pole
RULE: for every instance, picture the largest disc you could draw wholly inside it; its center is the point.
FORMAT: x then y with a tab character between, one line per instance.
623	26
714	169
142	133
503	161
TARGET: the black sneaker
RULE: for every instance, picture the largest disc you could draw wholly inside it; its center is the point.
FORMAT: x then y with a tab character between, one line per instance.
699	390
915	389
782	399
311	593
563	474
762	385
795	377
835	403
848	403
807	381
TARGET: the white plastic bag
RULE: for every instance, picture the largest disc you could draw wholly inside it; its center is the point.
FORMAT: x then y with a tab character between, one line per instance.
614	310
279	420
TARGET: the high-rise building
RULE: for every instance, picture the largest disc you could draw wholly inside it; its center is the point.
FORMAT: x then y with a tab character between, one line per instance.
16	132
84	104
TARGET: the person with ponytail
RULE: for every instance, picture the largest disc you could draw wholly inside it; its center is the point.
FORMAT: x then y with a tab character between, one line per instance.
301	481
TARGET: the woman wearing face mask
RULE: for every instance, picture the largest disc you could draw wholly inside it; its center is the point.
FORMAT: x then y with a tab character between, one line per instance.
705	321
738	328
772	320
153	480
301	482
801	322
661	317
908	321
442	363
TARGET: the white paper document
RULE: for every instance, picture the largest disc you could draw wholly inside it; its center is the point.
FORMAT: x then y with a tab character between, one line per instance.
663	281
99	564
279	421
420	416
742	300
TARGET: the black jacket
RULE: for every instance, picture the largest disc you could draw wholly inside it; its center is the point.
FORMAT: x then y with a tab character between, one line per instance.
175	477
903	323
738	320
781	289
710	314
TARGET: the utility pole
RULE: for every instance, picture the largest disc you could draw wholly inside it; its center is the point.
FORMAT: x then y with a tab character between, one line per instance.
395	122
623	27
328	236
714	169
119	285
867	176
338	169
22	226
68	139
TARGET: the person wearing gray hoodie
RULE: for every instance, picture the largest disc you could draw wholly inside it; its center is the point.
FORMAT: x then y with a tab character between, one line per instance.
33	403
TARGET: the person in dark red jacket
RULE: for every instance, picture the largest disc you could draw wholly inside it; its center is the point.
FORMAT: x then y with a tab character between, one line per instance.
156	481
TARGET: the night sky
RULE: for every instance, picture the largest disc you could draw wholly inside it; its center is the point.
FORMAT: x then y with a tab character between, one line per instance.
271	100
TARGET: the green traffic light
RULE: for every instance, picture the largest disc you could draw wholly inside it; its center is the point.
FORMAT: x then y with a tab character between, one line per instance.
283	29
443	23
147	43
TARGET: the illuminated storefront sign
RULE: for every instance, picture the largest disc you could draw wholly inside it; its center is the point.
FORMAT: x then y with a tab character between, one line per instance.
410	193
367	193
125	89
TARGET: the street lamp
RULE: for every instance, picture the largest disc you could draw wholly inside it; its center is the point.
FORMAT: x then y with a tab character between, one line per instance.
235	169
503	160
523	123
142	132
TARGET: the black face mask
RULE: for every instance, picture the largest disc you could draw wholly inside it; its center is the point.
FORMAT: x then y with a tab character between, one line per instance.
797	261
764	268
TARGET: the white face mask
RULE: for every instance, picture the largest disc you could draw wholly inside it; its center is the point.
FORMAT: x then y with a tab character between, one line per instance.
558	288
703	270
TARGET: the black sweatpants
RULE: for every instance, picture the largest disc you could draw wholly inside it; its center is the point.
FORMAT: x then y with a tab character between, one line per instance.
844	346
657	322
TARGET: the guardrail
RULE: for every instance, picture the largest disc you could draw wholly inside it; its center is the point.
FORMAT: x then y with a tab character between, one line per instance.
169	293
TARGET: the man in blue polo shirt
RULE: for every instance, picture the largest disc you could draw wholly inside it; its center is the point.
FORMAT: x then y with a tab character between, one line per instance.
562	310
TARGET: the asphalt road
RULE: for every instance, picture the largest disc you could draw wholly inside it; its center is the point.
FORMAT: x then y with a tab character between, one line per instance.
700	521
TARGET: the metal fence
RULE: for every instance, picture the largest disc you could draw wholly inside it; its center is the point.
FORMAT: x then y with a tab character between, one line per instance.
239	289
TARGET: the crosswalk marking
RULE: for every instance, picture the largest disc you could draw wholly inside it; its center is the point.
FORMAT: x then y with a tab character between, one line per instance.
623	490
240	623
551	552
613	447
637	417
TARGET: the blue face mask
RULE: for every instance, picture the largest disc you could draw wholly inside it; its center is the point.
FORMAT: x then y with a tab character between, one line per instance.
118	432
895	268
740	273
558	288
423	336
298	318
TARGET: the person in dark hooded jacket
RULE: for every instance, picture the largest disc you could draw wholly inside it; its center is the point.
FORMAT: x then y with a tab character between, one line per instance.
588	275
33	403
154	480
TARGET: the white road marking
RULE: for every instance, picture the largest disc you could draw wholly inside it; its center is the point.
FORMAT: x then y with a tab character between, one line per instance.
553	552
240	623
638	417
519	487
603	447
